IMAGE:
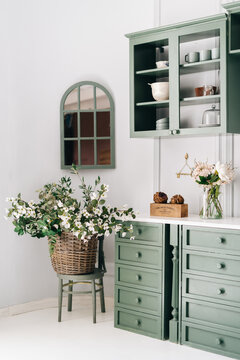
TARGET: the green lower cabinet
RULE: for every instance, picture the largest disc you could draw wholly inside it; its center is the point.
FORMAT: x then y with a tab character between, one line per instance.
138	322
206	338
142	286
180	283
210	290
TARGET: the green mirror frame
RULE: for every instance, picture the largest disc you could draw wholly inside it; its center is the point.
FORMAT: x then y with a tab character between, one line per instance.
86	143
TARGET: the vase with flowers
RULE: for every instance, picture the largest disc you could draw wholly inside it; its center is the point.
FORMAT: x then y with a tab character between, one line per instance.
211	177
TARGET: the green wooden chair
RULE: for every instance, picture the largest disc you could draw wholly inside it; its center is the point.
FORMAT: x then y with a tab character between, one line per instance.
72	280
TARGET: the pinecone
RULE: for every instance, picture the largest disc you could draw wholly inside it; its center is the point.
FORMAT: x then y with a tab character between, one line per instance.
177	199
160	198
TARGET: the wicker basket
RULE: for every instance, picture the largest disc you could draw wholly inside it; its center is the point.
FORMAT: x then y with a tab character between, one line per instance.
72	256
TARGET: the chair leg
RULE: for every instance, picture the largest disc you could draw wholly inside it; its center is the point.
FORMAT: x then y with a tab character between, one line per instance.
60	285
94	300
102	301
70	288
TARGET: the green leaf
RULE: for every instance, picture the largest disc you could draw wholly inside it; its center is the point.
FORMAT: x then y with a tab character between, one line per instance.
102	202
94	203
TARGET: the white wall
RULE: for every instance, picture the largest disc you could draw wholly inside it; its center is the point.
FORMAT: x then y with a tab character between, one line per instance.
46	47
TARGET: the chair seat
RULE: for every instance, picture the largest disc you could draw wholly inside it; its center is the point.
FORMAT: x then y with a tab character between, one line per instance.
97	274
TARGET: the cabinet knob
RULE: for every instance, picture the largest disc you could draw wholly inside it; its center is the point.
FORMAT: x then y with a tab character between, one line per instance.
138	322
220	265
220	291
138	300
139	231
170	132
219	341
138	254
175	132
138	277
220	240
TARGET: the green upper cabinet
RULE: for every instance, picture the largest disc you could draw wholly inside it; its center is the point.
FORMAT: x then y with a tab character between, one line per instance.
87	127
182	111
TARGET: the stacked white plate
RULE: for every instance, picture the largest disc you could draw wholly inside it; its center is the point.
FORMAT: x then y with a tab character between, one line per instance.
162	124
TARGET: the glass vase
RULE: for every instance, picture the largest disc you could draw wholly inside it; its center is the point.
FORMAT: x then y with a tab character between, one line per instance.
211	203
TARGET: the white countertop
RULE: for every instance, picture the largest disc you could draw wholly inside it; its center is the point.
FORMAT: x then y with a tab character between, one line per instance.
194	220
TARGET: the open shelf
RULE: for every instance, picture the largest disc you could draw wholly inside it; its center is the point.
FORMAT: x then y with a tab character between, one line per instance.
154	72
164	103
200	66
200	100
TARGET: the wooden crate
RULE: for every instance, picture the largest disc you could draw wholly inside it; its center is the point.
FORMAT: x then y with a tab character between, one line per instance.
169	210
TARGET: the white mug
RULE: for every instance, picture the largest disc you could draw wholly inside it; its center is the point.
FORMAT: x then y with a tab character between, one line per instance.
215	53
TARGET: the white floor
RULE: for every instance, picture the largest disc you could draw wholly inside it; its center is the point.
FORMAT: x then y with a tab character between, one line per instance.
36	335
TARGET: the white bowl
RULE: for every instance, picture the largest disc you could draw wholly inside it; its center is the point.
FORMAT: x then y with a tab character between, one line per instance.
162	64
160	90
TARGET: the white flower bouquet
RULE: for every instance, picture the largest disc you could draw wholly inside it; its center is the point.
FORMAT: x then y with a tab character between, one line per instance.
57	212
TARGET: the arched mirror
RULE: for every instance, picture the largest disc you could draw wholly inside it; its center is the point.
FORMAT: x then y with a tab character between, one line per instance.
87	127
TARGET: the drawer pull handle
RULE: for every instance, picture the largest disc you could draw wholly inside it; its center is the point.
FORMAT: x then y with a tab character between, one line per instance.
219	341
138	254
220	265
138	322
221	240
139	231
220	291
138	300
138	277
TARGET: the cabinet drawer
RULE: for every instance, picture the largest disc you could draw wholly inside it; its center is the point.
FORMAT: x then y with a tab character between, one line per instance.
222	291
214	264
138	300
219	341
137	322
147	256
227	241
139	278
206	313
145	233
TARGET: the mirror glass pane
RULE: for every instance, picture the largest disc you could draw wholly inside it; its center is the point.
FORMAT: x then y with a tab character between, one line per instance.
70	125
102	100
71	102
86	124
86	97
87	152
71	152
103	123
103	152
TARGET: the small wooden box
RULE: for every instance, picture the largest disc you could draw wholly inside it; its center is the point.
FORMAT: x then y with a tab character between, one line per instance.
169	210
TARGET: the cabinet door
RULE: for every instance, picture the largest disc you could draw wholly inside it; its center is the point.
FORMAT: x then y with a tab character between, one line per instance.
199	65
147	106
